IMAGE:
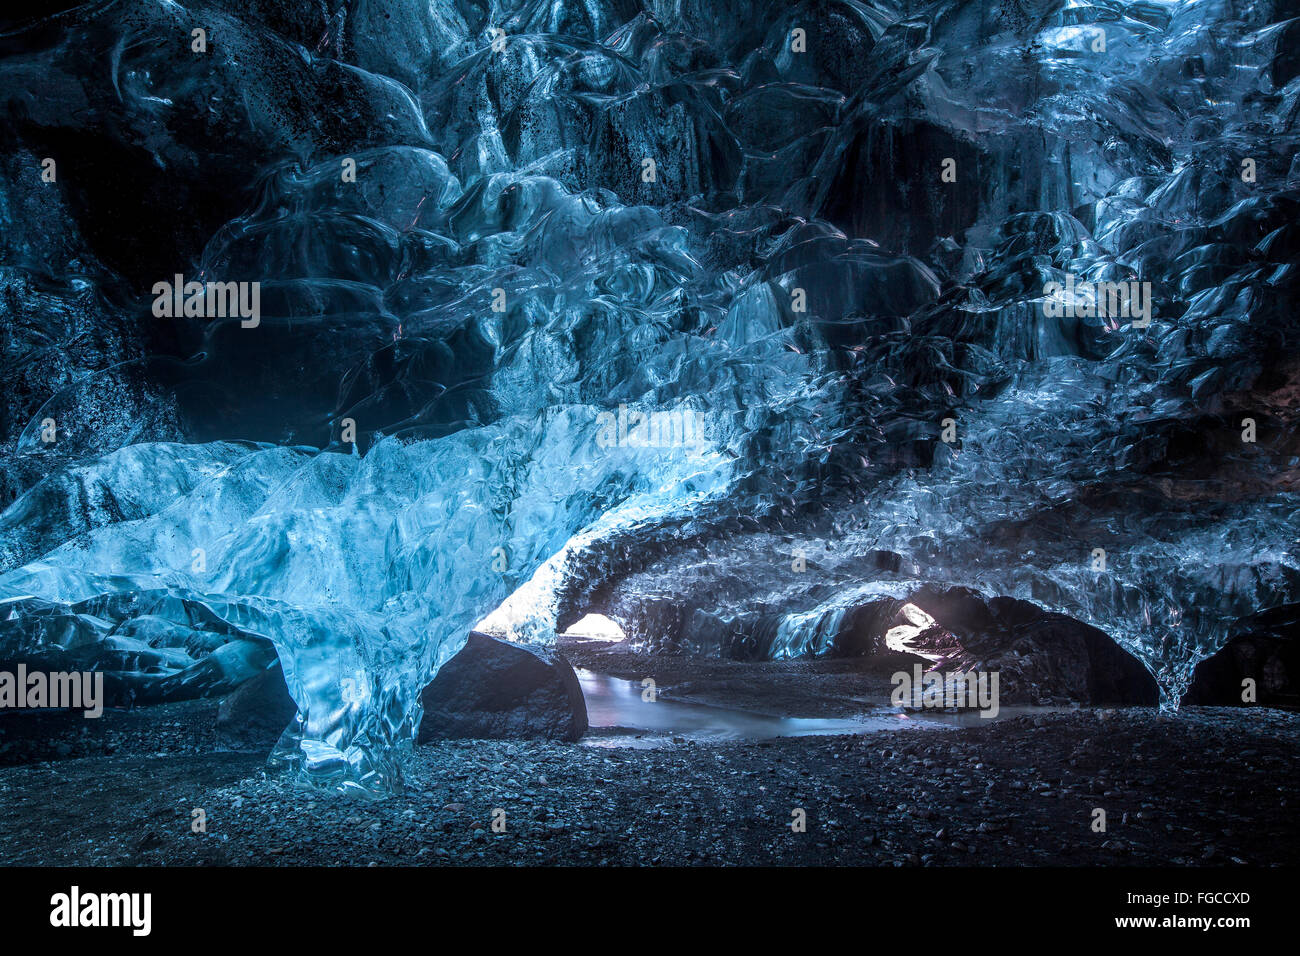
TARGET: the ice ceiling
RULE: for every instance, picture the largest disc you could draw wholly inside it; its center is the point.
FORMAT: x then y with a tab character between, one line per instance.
807	242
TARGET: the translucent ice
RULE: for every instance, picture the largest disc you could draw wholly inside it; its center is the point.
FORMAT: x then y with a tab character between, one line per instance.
725	318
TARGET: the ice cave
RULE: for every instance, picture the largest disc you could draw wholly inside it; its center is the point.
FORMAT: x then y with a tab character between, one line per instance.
337	330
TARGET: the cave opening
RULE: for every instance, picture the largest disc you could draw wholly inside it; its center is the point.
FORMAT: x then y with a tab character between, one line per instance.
595	627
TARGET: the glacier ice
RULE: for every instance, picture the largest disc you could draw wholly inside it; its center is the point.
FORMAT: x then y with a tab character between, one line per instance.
415	436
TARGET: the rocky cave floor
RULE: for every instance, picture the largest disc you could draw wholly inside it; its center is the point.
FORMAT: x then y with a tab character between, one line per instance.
1212	786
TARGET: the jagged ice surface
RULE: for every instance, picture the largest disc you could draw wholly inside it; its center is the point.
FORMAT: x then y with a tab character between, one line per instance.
201	506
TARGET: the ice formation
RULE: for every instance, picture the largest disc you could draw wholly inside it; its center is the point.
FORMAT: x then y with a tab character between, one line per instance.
725	315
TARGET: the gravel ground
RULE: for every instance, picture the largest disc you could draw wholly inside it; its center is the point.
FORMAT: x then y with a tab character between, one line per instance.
1213	786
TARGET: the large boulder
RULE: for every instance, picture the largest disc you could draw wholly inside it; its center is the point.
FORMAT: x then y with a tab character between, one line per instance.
1266	650
496	689
1041	657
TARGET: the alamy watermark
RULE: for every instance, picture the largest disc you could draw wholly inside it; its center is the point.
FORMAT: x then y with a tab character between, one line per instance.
30	690
209	300
75	909
976	690
1086	300
632	428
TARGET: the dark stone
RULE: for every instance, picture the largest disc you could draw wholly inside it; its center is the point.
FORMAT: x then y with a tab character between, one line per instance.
1040	656
1049	657
259	710
1266	650
496	689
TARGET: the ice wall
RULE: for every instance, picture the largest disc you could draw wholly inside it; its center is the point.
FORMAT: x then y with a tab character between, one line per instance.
730	308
